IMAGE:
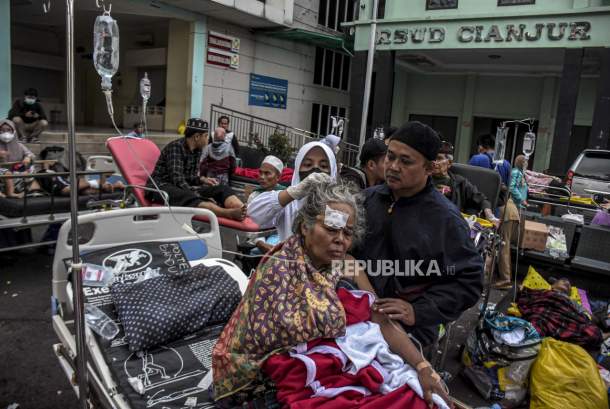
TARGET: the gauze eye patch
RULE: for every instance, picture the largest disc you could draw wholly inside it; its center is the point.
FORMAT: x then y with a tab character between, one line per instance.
335	219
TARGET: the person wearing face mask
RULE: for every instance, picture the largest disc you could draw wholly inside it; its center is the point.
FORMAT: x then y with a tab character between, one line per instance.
315	163
218	159
223	122
11	151
29	116
436	273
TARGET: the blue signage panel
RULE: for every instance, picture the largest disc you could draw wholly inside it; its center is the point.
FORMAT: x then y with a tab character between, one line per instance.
268	91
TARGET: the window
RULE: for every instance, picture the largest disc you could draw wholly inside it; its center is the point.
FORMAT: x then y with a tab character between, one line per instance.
441	4
515	2
446	126
331	69
320	117
334	12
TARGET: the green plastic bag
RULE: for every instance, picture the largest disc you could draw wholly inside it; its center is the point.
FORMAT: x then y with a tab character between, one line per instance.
565	376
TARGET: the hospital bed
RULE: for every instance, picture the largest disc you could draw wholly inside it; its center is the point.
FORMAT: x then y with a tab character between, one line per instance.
28	212
175	375
136	159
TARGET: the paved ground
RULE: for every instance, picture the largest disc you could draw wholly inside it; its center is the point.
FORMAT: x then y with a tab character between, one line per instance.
29	372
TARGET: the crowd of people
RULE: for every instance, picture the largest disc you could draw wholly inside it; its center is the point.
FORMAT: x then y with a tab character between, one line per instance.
326	272
402	203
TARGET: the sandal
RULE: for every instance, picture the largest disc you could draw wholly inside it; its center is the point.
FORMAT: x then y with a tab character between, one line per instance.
503	285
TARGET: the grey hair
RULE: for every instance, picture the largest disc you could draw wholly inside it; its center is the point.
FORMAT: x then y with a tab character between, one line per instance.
331	192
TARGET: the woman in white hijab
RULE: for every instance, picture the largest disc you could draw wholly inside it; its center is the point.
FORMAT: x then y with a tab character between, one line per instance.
315	162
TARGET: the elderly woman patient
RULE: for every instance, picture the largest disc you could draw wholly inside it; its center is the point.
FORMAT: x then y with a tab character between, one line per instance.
321	345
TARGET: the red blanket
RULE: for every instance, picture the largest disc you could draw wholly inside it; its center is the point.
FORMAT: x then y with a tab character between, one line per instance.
323	367
250	173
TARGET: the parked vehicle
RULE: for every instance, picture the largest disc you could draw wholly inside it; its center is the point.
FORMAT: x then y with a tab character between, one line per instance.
590	171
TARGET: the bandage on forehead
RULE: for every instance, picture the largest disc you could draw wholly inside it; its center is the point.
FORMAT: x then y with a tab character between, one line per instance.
335	219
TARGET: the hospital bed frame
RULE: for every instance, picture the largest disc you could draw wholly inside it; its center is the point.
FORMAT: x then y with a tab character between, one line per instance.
25	220
111	229
146	153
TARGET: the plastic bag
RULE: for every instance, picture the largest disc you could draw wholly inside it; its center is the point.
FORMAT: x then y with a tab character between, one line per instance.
565	376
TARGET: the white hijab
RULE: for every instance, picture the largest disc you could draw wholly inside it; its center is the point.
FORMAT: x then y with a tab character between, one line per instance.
291	210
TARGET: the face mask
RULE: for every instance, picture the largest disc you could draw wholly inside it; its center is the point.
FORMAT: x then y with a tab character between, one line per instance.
304	174
7	137
30	101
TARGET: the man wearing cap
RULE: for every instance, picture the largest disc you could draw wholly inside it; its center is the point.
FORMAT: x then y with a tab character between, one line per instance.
371	171
176	173
269	175
29	116
463	194
417	250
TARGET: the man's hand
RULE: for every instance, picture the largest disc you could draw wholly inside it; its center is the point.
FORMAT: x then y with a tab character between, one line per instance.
29	114
27	161
396	309
431	383
209	181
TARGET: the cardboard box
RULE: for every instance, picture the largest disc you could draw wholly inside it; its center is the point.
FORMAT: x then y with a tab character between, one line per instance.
534	236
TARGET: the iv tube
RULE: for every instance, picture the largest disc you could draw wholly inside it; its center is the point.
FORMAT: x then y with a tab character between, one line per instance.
529	143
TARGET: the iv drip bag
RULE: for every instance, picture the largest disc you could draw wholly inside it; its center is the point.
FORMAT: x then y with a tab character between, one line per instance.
529	143
106	48
500	151
145	87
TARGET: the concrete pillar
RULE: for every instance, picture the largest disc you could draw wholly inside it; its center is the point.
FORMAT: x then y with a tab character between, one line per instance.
566	108
198	47
5	58
546	125
384	86
177	94
356	92
600	131
464	139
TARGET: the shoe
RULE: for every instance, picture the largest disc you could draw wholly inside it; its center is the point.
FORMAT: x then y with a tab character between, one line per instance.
503	285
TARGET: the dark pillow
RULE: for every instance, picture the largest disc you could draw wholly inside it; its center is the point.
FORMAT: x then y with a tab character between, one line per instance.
171	306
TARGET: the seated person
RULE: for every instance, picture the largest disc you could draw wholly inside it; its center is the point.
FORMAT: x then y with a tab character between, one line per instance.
297	282
218	158
458	189
223	122
435	272
29	116
278	208
138	130
268	179
177	174
11	150
371	171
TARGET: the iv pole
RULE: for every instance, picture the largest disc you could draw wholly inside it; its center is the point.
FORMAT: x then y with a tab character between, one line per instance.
76	267
527	121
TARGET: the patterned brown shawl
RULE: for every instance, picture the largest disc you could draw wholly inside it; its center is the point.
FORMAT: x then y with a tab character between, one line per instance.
286	303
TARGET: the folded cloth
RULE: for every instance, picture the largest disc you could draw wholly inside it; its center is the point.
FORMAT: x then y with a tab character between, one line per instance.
174	305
